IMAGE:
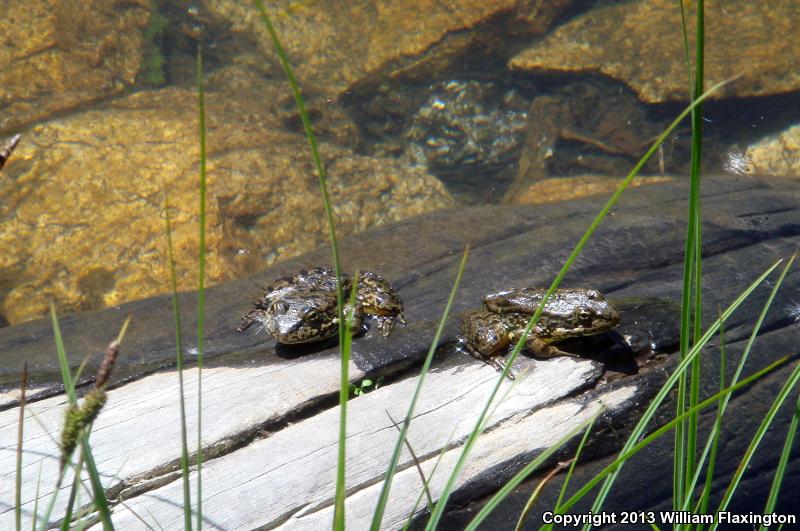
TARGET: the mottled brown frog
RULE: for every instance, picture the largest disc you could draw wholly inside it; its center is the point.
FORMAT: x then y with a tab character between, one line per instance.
302	308
568	313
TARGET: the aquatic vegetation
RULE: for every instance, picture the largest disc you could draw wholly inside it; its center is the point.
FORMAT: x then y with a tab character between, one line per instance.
151	69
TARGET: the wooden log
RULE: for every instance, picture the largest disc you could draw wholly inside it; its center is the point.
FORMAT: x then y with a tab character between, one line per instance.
250	385
289	478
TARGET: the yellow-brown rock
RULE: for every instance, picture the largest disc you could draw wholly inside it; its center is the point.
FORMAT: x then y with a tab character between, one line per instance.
641	44
777	155
561	188
56	56
334	44
81	201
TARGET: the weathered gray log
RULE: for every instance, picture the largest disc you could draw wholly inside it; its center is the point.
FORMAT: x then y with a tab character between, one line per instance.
636	257
293	484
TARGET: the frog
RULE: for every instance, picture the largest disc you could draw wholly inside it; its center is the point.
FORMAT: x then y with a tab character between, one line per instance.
568	313
302	308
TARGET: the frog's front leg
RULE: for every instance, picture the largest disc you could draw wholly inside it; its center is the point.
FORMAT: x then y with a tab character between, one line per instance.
257	316
492	360
385	323
485	337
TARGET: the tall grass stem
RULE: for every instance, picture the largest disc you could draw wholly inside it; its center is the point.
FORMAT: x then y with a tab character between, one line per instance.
179	359
323	187
380	508
344	396
628	452
201	280
23	385
440	505
671	381
697	240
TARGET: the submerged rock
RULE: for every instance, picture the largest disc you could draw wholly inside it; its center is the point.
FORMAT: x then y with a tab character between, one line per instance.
641	44
468	124
82	201
777	155
590	127
339	44
57	56
560	188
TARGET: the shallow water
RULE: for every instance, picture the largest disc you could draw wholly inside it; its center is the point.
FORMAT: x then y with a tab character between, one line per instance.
416	109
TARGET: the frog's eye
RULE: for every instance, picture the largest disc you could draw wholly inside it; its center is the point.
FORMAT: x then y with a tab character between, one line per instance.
583	315
593	294
310	314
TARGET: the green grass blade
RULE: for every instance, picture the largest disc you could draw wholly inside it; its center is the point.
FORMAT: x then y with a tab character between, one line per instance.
780	471
100	501
568	477
312	144
739	368
671	381
63	362
20	432
426	488
686	59
439	509
344	396
633	449
679	456
176	310
69	390
380	508
787	388
36	499
45	519
321	174
520	476
696	241
201	281
691	256
712	456
73	494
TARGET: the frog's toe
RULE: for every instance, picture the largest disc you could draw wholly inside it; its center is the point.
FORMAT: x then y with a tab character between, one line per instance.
385	325
499	366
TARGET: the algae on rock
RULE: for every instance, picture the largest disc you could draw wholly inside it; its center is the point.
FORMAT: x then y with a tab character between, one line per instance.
151	72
